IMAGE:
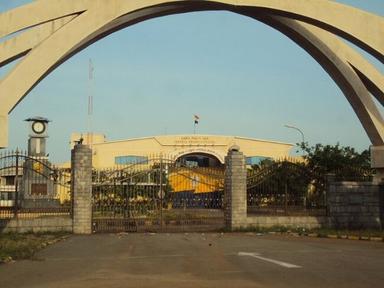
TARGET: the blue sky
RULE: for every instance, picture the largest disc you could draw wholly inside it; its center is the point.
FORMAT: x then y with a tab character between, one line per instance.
240	76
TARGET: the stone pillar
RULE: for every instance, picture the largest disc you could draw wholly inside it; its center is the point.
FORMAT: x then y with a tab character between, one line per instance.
235	189
81	189
377	162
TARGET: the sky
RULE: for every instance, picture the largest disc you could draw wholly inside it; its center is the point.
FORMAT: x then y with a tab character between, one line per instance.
240	76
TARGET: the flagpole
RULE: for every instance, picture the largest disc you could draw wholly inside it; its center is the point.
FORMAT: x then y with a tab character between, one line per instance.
196	121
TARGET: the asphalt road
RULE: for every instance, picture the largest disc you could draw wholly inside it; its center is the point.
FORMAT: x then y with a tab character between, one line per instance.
200	260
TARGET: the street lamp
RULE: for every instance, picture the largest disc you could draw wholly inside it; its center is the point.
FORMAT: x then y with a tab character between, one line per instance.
293	127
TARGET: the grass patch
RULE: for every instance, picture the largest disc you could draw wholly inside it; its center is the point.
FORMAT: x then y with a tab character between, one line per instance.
15	246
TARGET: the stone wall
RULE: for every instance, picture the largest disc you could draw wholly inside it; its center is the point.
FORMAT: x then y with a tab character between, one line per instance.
355	205
41	224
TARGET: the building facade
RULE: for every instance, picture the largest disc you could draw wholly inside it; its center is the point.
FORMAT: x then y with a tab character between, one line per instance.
193	150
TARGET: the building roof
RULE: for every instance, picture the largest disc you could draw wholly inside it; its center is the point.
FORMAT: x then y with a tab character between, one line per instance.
37	118
194	136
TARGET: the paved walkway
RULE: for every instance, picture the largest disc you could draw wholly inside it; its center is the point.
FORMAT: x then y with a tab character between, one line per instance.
200	260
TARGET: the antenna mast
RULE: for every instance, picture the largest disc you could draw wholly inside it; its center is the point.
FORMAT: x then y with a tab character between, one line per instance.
90	103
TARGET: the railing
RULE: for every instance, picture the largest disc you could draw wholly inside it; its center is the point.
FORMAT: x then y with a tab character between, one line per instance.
354	174
284	188
32	187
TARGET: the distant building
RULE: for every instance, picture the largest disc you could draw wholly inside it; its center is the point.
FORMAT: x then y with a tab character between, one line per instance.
7	185
192	150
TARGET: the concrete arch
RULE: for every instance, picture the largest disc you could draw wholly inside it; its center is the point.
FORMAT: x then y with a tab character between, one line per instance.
98	18
346	21
372	78
351	80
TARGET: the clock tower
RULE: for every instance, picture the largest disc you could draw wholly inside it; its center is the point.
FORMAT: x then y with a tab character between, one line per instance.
38	185
37	136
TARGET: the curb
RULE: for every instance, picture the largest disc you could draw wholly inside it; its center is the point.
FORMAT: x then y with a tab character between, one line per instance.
335	236
330	236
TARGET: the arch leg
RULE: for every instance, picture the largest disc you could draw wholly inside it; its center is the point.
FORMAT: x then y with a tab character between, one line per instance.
3	130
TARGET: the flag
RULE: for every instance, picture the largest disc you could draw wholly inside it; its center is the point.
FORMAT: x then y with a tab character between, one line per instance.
197	118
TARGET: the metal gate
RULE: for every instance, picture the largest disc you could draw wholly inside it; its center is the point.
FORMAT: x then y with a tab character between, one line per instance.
32	187
158	195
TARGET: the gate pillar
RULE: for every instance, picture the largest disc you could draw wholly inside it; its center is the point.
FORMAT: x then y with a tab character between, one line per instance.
235	189
377	162
81	189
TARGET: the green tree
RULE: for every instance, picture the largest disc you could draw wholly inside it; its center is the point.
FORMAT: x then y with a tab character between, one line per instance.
345	162
283	183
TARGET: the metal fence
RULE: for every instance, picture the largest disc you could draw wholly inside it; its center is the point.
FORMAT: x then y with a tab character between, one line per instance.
158	194
32	187
285	188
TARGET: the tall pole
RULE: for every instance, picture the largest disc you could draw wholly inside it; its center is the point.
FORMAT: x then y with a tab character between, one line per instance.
297	129
90	103
161	192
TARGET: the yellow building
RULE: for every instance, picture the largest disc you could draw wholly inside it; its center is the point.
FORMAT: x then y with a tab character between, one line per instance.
197	180
193	150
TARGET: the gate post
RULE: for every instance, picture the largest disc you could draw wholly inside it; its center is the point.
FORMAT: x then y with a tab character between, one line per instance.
81	189
377	162
235	189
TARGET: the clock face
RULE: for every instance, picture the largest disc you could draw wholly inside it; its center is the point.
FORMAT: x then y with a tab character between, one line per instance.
38	127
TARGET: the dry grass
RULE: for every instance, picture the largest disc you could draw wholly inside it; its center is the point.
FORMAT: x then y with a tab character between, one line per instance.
14	246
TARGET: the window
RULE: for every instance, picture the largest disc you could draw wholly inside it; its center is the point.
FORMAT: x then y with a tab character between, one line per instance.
7	196
9	180
39	189
255	160
131	159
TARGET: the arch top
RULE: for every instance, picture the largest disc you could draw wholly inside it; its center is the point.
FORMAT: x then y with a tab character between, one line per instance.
346	21
79	23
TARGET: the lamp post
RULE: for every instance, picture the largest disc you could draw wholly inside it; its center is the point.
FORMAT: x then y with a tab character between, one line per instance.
293	127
